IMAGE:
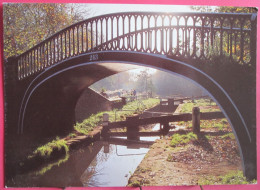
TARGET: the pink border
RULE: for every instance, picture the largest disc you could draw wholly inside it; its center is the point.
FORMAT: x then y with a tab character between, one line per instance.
252	3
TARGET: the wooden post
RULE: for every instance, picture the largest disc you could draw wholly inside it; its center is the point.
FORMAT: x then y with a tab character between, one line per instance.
196	119
166	128
106	147
123	100
132	128
171	102
105	125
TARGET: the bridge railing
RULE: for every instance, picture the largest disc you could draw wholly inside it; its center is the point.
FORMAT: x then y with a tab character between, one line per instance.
180	35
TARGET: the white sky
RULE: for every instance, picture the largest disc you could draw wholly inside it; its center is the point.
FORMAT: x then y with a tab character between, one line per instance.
101	9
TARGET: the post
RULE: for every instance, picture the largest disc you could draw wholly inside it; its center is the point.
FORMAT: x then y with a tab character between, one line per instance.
105	125
132	127
123	100
166	128
171	102
196	119
106	147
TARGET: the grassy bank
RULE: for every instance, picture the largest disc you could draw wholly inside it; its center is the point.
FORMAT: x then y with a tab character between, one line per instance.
135	107
185	158
47	149
205	105
216	124
232	178
87	126
182	139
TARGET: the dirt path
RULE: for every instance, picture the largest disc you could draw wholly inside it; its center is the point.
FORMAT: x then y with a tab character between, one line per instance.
214	153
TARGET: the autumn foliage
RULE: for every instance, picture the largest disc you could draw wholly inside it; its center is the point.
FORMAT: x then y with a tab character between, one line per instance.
27	24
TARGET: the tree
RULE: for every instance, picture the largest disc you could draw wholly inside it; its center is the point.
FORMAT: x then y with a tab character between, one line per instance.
27	24
114	82
224	9
144	82
168	84
233	39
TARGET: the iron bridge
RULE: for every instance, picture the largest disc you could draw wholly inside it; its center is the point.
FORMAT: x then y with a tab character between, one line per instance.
215	50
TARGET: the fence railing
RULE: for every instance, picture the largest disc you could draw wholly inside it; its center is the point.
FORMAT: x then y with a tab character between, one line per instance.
179	35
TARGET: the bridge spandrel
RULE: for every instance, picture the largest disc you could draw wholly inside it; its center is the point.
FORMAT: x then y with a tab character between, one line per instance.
183	36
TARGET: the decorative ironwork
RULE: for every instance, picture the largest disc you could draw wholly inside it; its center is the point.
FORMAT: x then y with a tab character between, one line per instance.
194	36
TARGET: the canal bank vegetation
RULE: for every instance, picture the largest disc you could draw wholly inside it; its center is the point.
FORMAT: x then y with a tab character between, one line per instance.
47	149
220	125
205	105
131	108
182	139
184	158
232	178
189	159
85	130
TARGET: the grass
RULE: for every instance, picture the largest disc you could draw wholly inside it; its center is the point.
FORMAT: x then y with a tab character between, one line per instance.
88	125
182	139
232	178
72	135
187	107
135	107
134	184
220	124
228	136
47	149
143	170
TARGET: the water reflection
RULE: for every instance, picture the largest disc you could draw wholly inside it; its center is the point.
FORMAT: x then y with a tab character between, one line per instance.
104	163
113	168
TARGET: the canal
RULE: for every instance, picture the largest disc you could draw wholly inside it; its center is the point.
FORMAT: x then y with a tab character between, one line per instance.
101	164
104	163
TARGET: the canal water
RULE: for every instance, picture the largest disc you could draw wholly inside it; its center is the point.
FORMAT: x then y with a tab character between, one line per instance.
113	168
102	164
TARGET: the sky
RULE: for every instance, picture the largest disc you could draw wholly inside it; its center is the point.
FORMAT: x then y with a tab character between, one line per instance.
100	9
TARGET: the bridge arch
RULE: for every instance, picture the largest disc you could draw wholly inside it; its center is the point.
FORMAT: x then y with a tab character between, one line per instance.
242	132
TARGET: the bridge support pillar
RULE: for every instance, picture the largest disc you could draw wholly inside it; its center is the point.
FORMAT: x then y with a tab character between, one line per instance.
196	120
132	128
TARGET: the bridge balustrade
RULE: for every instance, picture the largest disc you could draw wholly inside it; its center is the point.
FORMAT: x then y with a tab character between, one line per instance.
193	36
